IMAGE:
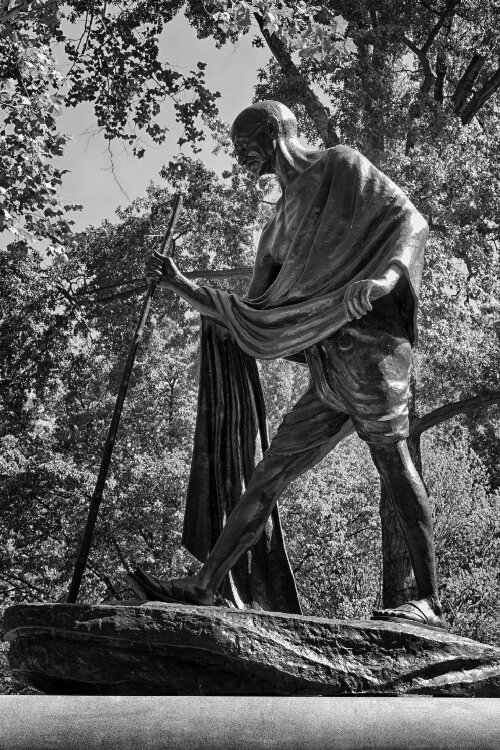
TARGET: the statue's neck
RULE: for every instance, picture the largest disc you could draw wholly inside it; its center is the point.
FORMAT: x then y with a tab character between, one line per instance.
291	158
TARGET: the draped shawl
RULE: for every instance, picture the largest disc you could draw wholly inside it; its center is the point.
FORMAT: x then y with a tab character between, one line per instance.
340	220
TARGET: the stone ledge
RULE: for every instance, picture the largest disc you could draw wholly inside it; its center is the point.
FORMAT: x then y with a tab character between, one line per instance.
169	649
250	723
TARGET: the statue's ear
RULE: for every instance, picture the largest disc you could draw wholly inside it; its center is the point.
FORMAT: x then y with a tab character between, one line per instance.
274	127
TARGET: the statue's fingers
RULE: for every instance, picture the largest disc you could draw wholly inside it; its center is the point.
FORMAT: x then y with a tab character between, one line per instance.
153	271
347	307
350	311
354	310
365	297
347	295
350	293
357	302
345	302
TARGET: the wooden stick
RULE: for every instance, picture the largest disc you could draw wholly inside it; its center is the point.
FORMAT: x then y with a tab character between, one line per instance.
95	501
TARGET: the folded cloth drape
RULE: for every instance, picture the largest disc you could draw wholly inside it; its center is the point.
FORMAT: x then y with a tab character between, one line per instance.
231	419
340	220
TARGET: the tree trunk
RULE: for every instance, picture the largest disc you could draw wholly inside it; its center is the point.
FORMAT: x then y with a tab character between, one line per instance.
301	86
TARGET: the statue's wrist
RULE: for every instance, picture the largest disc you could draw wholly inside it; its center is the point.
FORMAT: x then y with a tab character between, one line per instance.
392	275
170	276
167	280
394	270
177	278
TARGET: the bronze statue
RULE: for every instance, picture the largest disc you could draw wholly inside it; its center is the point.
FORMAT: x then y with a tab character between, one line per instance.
336	283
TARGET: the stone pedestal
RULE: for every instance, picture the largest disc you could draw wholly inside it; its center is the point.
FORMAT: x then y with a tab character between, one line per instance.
168	649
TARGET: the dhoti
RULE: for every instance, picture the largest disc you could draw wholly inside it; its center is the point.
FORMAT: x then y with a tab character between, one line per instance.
359	381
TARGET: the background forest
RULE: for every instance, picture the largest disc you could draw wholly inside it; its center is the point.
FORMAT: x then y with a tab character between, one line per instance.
413	86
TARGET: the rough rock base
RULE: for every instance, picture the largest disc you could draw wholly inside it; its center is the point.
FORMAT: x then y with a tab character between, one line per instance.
168	649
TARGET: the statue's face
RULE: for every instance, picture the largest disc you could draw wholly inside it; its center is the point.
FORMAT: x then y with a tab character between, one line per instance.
255	145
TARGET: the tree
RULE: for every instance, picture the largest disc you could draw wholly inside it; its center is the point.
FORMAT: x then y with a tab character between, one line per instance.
381	79
114	65
66	337
31	98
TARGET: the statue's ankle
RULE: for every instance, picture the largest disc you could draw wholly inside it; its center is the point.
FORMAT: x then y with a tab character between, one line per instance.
203	594
436	605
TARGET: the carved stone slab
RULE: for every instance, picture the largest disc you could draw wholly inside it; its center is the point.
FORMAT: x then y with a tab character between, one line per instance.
169	649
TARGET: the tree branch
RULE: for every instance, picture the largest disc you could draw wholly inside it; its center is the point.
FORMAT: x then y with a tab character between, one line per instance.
466	82
120	554
453	409
429	76
428	7
481	97
317	111
105	579
441	69
225	273
412	46
447	12
299	566
13	577
114	285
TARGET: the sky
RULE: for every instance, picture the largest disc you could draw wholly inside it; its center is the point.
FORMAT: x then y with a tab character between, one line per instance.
231	70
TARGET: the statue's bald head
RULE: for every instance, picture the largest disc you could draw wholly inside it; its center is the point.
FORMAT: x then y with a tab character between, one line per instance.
267	112
260	132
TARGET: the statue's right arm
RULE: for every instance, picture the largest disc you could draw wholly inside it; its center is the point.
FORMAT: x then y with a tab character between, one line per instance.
194	295
167	275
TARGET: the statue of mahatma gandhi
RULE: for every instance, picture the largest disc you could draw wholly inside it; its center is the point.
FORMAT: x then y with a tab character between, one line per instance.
335	284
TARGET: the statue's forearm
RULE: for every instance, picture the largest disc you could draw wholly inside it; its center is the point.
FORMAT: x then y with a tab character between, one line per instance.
194	295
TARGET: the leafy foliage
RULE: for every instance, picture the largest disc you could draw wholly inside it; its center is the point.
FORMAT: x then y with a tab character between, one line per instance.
58	404
371	75
31	99
116	66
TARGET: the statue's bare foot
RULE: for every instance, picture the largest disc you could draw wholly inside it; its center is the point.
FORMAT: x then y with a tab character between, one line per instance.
425	612
179	591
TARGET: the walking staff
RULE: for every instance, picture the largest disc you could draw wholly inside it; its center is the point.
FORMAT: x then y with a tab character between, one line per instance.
95	502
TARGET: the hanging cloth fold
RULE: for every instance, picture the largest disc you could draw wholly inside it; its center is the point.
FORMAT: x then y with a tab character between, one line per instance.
339	221
231	417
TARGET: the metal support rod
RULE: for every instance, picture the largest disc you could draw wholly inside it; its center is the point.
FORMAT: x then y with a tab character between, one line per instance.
95	501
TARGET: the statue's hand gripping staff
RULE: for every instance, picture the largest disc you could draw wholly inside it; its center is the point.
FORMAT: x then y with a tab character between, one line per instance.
120	398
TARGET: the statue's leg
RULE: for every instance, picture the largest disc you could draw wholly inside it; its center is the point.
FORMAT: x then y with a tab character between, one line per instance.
413	511
368	367
307	434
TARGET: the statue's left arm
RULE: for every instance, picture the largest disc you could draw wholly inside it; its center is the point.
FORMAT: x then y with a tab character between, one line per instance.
413	235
